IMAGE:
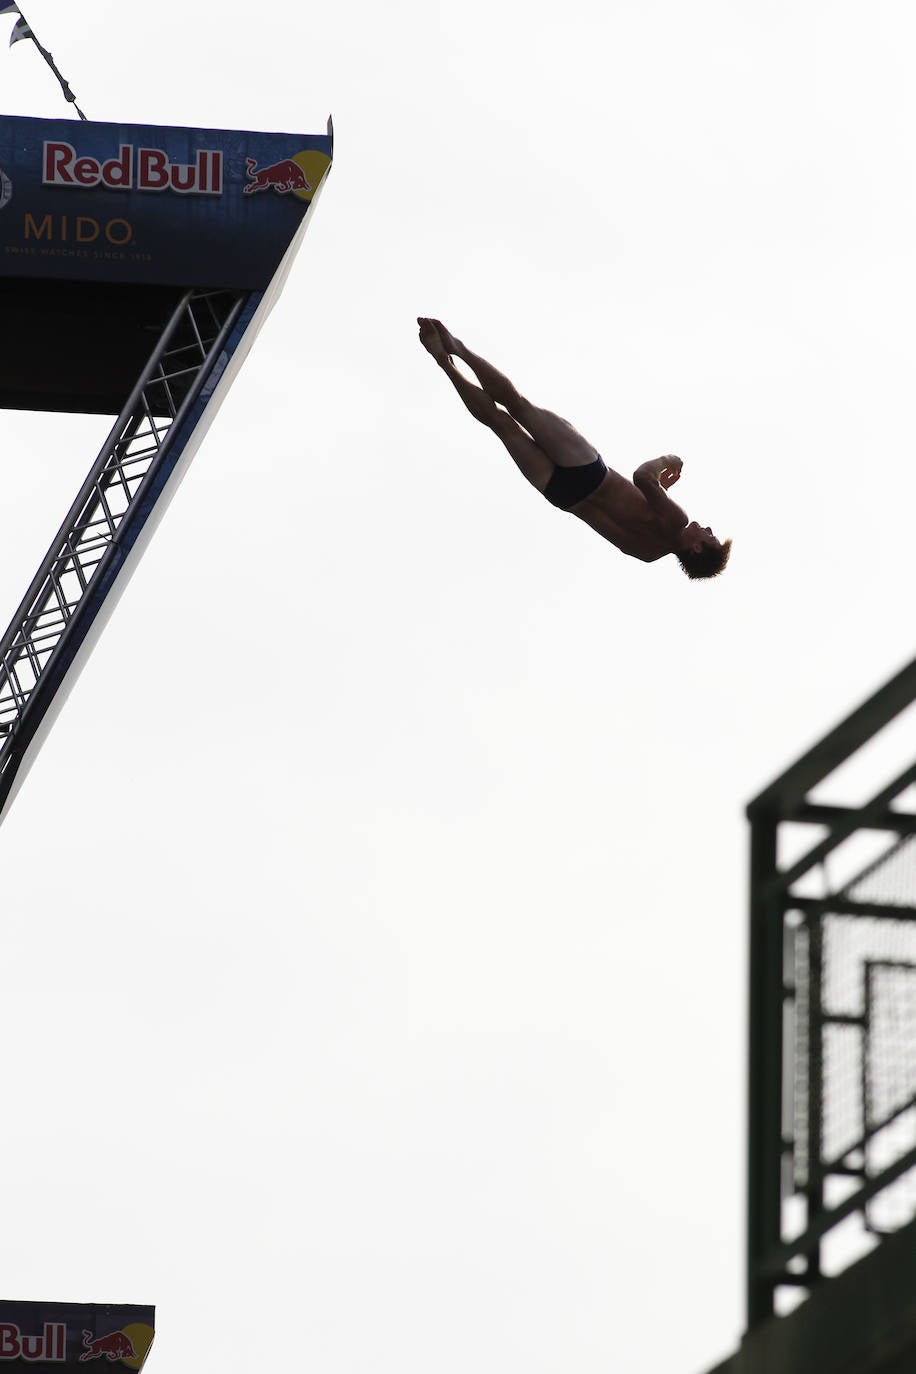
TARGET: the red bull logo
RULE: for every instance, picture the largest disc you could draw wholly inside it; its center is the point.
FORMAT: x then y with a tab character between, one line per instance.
117	1345
141	169
48	1348
284	176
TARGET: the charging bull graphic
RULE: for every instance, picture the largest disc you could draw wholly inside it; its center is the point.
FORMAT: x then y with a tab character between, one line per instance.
115	1346
283	176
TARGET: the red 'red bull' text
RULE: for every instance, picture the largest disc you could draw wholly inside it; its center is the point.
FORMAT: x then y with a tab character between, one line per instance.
48	1348
141	169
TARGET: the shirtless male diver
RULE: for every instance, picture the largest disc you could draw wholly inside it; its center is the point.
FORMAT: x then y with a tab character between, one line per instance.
638	517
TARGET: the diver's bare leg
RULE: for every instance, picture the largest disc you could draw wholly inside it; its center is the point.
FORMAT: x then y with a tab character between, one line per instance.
555	436
528	457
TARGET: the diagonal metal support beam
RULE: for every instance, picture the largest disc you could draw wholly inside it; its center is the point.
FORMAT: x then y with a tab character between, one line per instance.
806	1244
67	591
846	825
785	794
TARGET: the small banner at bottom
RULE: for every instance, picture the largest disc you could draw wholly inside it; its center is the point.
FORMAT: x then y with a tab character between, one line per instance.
71	1335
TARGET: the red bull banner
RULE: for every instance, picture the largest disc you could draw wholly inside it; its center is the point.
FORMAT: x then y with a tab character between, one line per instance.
87	201
63	1335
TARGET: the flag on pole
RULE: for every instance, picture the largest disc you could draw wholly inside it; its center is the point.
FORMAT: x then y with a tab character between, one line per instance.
22	30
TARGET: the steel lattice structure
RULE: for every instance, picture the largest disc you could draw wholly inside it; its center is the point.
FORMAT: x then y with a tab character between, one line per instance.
65	595
832	1104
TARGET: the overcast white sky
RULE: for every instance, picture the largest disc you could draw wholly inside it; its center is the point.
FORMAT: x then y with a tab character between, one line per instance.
373	920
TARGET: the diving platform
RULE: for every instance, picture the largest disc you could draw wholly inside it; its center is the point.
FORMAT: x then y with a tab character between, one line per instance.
137	265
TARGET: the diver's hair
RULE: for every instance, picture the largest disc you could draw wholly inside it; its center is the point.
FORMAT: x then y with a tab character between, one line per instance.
708	562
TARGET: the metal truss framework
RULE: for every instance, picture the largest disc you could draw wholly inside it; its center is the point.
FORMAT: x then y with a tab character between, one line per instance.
802	1184
67	591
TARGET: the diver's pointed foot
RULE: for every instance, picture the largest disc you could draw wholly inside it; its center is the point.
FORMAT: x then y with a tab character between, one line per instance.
431	340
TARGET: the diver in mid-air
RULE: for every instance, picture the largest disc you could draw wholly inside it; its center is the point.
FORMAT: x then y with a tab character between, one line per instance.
638	517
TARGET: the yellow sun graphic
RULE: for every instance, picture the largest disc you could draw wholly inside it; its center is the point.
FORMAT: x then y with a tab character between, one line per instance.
314	165
141	1338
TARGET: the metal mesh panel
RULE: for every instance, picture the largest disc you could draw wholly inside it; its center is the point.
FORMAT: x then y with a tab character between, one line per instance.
891	879
851	1055
841	1097
889	1087
797	1052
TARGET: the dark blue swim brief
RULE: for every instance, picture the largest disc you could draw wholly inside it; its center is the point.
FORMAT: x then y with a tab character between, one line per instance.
568	486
